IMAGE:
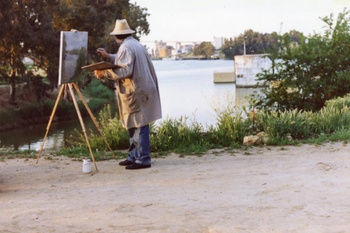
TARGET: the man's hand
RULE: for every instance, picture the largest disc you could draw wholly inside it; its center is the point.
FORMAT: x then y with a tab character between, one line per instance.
102	52
99	73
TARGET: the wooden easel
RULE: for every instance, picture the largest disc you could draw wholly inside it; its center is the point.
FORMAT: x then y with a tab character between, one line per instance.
70	87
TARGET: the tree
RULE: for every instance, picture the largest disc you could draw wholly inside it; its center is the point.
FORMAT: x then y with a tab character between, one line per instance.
255	43
31	28
205	49
97	17
227	48
26	32
309	71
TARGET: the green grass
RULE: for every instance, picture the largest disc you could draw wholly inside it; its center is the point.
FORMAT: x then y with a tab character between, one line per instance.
11	154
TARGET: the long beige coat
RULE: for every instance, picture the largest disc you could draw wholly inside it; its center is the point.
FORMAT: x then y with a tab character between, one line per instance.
137	85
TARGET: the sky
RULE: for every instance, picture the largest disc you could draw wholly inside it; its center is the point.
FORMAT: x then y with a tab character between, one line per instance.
202	20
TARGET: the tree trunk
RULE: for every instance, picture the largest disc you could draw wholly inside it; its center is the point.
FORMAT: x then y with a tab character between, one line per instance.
12	99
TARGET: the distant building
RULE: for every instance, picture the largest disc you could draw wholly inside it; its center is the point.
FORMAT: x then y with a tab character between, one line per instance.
163	50
218	42
187	48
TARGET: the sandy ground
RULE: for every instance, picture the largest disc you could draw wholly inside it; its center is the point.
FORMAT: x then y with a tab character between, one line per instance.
262	189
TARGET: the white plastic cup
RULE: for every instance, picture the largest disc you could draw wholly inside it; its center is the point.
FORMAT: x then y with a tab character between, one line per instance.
86	166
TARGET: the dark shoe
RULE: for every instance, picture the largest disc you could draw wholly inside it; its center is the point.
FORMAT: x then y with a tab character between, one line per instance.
125	163
135	166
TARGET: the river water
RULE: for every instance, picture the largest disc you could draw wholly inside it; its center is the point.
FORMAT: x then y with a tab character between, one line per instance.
186	88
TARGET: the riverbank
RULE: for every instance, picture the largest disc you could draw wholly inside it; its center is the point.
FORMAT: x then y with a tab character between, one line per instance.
259	189
31	111
28	110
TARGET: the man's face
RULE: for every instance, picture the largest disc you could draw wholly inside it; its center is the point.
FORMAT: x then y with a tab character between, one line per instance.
119	41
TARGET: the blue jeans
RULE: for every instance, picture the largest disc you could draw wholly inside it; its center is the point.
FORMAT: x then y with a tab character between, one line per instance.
139	145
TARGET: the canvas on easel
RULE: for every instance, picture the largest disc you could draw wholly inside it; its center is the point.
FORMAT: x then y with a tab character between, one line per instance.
73	54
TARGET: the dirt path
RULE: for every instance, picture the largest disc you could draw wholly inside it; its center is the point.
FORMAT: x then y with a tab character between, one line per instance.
268	189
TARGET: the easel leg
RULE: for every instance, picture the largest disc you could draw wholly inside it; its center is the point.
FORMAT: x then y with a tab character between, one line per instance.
93	118
50	121
81	123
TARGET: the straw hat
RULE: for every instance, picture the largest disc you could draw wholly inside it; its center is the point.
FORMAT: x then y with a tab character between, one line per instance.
121	28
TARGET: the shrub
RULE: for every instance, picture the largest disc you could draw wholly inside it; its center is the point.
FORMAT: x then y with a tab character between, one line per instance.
96	90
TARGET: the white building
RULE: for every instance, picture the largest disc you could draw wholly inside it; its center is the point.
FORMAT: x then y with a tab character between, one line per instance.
248	66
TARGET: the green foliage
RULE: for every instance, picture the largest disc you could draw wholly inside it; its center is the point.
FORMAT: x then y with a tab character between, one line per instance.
169	135
339	103
231	128
331	119
255	43
340	135
98	94
205	49
179	136
301	125
281	124
12	154
117	136
307	73
97	90
112	129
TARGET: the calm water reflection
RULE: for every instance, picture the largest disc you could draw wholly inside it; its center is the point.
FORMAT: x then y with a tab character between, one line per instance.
186	88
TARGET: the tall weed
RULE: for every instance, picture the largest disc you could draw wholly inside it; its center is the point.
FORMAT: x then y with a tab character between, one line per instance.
230	129
281	124
178	135
339	102
112	129
331	119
